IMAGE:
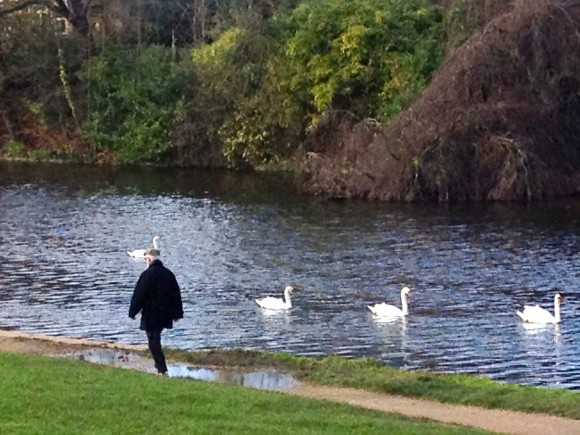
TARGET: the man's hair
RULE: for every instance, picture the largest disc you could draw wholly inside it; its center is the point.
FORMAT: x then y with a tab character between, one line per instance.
152	252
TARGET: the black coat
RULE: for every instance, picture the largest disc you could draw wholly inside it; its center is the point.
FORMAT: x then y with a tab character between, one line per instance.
158	297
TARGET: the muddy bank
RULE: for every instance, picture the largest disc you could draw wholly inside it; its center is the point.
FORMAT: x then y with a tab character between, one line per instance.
14	341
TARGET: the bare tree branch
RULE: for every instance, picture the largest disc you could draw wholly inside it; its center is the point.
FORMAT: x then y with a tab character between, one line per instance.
25	4
60	8
75	12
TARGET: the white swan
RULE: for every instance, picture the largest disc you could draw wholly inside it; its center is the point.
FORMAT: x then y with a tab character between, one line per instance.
140	253
271	303
386	310
537	314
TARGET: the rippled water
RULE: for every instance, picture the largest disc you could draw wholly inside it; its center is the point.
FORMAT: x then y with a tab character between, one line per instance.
231	238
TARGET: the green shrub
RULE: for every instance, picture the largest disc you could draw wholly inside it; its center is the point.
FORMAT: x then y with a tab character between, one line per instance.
15	149
370	57
136	101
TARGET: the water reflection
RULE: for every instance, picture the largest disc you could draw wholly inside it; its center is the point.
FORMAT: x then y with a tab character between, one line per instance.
262	379
535	328
231	238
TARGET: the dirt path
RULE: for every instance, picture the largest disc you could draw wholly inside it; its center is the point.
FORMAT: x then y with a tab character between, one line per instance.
488	419
492	420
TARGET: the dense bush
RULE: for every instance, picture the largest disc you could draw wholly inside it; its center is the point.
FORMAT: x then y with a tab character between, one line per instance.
37	65
275	81
370	57
136	101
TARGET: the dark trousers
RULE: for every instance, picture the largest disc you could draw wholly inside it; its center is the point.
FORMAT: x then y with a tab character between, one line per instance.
154	340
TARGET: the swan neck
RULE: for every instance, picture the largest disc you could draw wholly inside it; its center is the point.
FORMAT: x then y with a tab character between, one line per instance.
557	310
287	299
404	304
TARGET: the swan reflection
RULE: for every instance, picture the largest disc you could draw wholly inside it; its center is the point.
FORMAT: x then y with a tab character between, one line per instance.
391	329
537	329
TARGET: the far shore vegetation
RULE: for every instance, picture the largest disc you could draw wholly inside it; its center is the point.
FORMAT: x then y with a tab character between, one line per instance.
51	395
235	83
392	100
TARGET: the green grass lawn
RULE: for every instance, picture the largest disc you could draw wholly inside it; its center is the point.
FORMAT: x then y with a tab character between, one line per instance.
42	395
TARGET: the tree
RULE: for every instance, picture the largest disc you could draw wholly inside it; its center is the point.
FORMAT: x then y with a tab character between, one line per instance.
137	102
368	57
73	11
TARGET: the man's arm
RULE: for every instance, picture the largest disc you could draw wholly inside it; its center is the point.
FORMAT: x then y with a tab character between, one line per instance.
138	296
177	303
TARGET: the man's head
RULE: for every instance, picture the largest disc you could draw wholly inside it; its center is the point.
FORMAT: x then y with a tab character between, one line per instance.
152	254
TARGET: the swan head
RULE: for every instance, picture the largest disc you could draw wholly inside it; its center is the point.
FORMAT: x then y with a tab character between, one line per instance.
405	291
558	298
288	289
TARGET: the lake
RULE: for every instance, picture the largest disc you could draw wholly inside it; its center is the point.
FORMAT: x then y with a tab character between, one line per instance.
232	237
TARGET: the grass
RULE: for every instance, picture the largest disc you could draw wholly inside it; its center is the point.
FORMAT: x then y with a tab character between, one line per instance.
370	375
50	395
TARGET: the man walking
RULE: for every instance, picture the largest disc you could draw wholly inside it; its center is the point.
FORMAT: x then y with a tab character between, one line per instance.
158	298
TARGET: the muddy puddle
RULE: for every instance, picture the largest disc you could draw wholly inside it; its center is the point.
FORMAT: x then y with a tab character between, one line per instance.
262	379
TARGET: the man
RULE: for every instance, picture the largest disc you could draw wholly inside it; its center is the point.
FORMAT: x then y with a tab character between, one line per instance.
158	297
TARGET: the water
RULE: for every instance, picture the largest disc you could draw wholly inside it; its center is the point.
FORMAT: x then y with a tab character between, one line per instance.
232	238
262	379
